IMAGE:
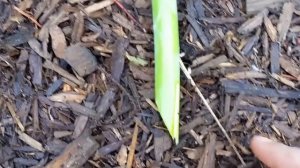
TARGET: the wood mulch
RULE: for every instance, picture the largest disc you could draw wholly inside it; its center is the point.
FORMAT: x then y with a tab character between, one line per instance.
76	86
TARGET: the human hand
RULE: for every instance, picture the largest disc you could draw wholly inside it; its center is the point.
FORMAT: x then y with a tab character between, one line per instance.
274	154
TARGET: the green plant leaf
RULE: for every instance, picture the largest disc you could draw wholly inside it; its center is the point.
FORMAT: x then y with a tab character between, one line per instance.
167	69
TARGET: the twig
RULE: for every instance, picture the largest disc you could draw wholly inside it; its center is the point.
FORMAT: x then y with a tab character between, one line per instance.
27	16
185	71
132	146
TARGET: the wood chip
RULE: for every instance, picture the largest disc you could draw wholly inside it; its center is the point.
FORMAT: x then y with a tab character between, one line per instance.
35	63
284	80
98	6
35	114
253	23
12	111
198	30
162	142
80	124
61	134
246	75
210	64
105	103
67	97
208	158
254	6
123	21
118	58
289	132
132	146
37	47
275	54
75	154
285	20
59	43
248	89
290	67
271	30
202	59
122	156
81	59
82	110
78	28
30	141
141	73
49	65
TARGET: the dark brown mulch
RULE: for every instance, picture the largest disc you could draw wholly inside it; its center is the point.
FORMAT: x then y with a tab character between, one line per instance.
77	82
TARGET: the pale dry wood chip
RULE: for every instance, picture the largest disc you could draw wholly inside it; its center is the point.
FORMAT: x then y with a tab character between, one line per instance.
98	6
253	23
202	59
214	63
122	156
123	21
61	134
283	80
30	141
195	154
78	28
67	97
295	29
271	30
290	67
58	38
254	6
142	3
285	20
246	75
132	146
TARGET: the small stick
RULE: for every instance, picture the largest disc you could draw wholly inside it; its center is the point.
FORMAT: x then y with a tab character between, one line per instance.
27	16
132	146
187	74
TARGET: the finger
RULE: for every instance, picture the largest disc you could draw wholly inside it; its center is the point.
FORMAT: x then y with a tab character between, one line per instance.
274	154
